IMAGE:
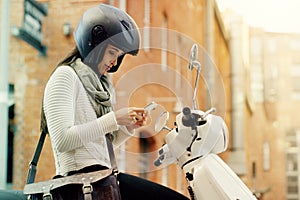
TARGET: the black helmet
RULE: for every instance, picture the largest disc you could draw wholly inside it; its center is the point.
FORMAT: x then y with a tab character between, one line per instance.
103	25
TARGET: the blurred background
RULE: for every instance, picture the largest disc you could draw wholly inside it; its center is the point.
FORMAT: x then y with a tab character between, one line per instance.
250	56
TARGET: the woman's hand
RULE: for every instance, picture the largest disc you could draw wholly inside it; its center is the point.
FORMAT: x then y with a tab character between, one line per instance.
131	117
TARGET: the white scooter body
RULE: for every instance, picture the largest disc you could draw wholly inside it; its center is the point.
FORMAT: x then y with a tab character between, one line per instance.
213	179
193	146
208	175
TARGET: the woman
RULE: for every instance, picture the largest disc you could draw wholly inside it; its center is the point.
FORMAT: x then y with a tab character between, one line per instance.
78	97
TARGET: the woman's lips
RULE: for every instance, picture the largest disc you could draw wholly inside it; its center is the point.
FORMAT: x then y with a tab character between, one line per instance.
108	67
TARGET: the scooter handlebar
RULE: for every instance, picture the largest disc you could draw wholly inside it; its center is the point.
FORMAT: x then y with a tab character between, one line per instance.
188	119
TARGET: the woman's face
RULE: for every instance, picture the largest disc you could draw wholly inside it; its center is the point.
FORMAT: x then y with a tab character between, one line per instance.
110	57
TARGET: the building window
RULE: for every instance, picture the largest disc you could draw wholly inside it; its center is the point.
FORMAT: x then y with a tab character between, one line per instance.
146	31
271	45
10	144
122	5
256	49
256	73
271	87
257	86
294	44
295	77
164	44
292	164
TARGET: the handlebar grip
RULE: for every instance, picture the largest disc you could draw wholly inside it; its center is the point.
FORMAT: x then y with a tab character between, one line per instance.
188	117
186	111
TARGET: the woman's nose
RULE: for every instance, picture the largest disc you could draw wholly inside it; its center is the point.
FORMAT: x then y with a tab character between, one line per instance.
114	62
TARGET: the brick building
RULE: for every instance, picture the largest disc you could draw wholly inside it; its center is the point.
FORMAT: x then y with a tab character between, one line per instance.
159	73
262	133
274	102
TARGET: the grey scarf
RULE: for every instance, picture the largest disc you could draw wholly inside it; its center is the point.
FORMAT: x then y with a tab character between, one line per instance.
99	89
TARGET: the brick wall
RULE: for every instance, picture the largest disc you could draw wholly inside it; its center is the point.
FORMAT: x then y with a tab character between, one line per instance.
29	72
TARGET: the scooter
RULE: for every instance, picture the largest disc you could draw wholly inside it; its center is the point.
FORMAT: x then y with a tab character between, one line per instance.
194	144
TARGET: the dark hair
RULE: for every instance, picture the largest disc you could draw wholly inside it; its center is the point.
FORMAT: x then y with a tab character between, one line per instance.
70	58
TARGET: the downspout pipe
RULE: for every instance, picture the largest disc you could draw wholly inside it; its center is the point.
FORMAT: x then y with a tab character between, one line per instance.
4	101
237	156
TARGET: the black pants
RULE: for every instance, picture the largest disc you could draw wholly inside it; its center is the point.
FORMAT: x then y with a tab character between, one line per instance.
135	188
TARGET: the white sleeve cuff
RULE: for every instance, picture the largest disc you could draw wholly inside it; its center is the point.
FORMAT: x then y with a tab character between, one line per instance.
122	136
107	123
125	130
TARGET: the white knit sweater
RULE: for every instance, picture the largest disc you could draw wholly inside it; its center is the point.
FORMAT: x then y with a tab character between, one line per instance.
77	135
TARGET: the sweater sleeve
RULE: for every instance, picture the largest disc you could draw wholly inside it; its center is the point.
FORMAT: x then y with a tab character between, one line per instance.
122	136
60	103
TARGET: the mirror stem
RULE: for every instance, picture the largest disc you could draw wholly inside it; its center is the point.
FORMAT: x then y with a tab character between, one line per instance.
198	65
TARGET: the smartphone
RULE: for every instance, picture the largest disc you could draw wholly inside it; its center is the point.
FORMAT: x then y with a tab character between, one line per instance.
150	106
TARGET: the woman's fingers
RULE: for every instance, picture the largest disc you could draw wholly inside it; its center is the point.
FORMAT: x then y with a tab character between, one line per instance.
131	116
138	113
